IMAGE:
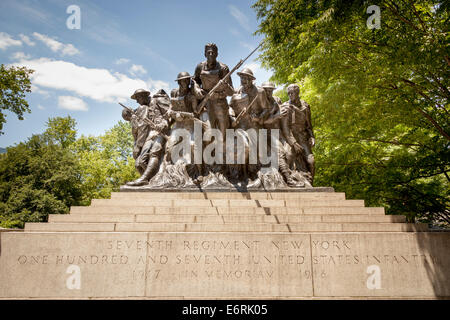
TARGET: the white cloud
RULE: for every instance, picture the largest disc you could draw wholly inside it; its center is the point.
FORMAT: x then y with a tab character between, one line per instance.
20	56
27	40
72	103
97	84
56	46
246	45
137	69
240	17
6	41
122	61
40	107
36	89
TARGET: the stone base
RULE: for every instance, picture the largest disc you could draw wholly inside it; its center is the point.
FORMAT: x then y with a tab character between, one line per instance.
175	265
309	243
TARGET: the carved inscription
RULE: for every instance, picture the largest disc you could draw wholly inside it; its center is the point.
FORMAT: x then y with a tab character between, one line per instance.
190	259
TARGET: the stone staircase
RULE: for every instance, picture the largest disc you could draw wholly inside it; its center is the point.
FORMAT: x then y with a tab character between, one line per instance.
280	212
301	244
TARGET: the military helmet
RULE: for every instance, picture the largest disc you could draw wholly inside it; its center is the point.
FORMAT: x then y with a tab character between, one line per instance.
140	92
268	85
246	72
183	75
160	93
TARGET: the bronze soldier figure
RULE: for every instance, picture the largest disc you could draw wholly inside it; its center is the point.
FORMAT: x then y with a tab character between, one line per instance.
148	141
298	133
245	95
207	74
184	103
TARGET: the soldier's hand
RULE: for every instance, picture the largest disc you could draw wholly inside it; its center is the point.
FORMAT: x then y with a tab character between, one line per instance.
178	117
234	124
297	148
136	152
312	142
284	112
169	113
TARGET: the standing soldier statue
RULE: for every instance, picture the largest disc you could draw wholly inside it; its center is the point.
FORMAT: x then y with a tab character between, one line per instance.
297	131
274	101
207	74
148	126
250	102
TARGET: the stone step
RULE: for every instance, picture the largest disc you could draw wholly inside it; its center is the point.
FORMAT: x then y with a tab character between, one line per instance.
220	219
229	195
208	227
226	203
224	210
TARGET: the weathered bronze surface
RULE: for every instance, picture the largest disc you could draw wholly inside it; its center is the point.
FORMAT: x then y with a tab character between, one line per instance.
210	136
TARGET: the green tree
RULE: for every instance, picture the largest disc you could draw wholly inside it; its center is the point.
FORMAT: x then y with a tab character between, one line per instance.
106	161
52	171
37	178
379	97
14	84
61	131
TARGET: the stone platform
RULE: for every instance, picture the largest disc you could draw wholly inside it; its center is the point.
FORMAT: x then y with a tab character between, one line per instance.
303	244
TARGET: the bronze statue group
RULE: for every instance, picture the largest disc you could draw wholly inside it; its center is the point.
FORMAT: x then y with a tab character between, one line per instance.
200	104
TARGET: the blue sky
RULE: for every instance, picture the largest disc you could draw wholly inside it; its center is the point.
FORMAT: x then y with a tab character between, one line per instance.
121	46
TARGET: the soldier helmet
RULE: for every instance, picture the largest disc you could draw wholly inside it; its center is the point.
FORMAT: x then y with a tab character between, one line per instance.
293	87
140	92
160	93
183	75
246	72
268	85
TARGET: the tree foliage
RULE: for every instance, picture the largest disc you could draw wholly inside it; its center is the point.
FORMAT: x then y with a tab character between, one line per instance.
379	97
37	177
14	84
106	161
52	171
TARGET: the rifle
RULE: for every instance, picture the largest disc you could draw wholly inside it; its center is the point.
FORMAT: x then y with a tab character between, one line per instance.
152	125
188	115
245	111
202	104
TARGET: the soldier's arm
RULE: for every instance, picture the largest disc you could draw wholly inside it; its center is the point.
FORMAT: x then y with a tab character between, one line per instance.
312	139
308	120
228	88
265	104
286	128
197	72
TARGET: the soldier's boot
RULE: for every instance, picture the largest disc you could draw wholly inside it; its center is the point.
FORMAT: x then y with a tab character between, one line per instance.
152	168
311	167
283	167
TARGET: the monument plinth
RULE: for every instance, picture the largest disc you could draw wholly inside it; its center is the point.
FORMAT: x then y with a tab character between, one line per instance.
207	245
